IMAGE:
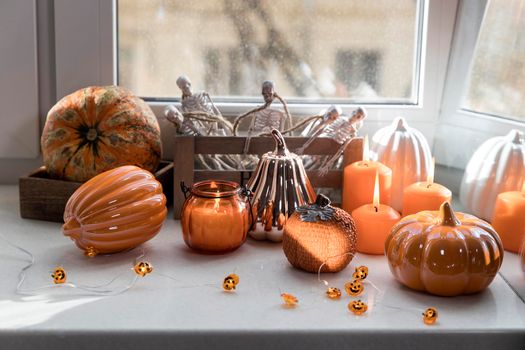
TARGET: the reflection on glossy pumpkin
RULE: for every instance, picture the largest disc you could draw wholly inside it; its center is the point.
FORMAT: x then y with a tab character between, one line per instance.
115	211
444	253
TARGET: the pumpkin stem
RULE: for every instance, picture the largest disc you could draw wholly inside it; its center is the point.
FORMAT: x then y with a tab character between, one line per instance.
516	136
401	124
447	216
280	146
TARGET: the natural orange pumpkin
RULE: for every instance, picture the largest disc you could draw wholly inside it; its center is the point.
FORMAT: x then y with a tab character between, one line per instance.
444	253
97	129
115	211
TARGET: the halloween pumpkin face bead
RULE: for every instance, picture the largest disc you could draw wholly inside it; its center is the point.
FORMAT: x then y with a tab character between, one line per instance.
289	300
230	282
430	316
357	307
59	275
354	288
360	273
333	293
90	252
143	268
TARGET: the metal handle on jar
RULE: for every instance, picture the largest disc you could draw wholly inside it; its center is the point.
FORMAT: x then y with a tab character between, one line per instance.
185	189
246	192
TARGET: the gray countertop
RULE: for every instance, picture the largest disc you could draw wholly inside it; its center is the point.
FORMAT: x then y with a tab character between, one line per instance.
181	304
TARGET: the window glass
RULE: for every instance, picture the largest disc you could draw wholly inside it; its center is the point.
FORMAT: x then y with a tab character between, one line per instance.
341	50
496	84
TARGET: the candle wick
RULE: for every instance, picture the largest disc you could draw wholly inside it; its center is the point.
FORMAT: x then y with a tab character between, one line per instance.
376	208
428	186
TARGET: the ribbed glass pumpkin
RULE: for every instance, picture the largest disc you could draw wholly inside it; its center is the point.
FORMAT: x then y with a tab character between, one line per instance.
405	150
444	253
497	166
115	211
96	129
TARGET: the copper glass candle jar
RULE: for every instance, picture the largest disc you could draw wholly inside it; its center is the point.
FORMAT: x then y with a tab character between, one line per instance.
215	216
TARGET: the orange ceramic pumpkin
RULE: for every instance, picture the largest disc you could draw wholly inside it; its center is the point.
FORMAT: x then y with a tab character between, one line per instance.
97	129
444	253
115	211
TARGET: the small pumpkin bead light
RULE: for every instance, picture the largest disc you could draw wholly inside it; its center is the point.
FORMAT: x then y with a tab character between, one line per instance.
354	288
357	307
333	293
143	268
360	273
289	300
430	316
230	282
59	275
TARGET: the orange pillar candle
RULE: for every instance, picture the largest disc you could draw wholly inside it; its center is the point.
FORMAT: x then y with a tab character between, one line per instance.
425	195
358	182
509	219
374	222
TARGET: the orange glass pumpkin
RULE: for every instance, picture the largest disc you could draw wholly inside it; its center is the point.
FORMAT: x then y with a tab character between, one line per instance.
444	253
115	211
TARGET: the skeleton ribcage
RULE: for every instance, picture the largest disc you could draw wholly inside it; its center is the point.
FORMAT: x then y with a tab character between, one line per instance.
197	103
340	130
267	119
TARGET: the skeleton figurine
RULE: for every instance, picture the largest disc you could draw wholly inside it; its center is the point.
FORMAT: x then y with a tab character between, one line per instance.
199	117
340	128
264	118
201	108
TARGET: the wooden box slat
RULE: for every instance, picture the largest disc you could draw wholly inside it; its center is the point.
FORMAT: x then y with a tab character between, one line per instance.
43	198
186	147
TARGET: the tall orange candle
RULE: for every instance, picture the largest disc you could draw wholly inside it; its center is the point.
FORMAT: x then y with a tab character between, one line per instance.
374	222
509	219
358	181
425	195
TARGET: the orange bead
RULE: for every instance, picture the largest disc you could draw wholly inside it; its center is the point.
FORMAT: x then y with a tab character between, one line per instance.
357	307
430	316
59	275
333	293
289	300
143	268
354	288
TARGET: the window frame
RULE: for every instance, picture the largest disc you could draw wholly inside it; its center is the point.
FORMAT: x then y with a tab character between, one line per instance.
457	123
85	42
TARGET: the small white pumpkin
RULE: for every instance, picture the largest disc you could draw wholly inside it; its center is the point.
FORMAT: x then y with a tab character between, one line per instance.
498	165
405	150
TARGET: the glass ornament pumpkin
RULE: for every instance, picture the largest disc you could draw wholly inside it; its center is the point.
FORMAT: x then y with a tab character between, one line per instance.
497	166
405	150
115	211
279	185
444	253
216	216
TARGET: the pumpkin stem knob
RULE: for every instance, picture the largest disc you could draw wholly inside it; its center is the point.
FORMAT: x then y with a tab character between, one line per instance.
516	136
322	200
92	134
447	216
280	146
401	124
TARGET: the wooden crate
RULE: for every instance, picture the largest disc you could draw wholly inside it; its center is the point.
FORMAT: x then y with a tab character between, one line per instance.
186	147
43	198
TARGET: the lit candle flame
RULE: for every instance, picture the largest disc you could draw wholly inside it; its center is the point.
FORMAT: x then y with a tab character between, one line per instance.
213	185
430	175
366	150
376	193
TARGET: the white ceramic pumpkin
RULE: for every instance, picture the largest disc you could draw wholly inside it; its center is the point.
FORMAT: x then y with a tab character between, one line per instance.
498	165
405	150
